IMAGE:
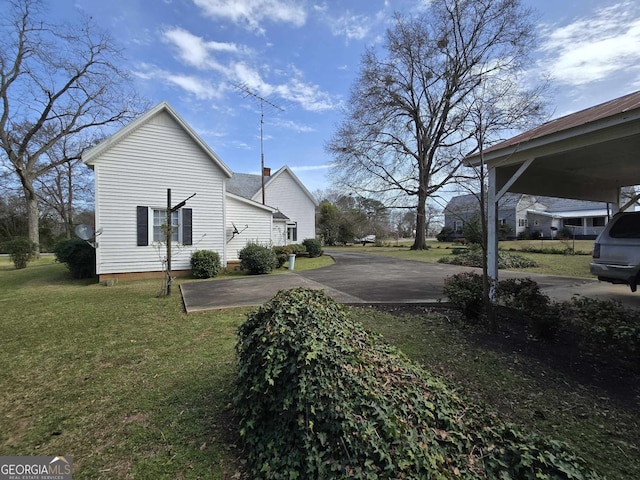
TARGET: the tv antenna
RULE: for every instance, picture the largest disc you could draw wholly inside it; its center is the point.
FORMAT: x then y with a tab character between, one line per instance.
242	87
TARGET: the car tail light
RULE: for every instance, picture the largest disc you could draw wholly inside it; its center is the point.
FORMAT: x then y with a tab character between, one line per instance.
596	250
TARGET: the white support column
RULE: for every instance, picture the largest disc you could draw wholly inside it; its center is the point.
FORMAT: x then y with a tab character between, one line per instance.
615	207
492	234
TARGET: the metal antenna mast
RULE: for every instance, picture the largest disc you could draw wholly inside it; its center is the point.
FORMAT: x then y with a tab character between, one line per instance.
249	93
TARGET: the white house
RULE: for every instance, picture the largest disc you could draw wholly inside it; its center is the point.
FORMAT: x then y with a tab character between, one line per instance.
135	167
536	216
295	205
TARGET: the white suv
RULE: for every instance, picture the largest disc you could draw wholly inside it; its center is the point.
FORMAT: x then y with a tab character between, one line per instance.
616	252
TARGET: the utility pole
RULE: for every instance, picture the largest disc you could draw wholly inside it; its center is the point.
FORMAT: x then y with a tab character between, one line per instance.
249	93
169	233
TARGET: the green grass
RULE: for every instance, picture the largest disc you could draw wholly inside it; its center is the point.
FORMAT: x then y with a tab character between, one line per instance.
528	393
125	382
549	264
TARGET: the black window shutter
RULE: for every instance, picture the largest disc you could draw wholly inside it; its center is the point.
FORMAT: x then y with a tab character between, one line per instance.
295	233
187	235
143	226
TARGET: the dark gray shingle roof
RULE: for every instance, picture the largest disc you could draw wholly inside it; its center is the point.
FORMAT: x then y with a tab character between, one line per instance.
463	203
244	185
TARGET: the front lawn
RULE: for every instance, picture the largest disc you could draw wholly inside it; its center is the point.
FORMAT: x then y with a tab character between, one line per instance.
125	382
132	387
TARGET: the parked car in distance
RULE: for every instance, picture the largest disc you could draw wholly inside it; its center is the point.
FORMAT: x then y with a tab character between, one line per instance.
366	239
616	251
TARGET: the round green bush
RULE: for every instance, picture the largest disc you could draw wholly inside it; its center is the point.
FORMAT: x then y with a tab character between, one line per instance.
313	247
205	264
282	254
78	255
464	290
297	248
256	259
20	250
319	397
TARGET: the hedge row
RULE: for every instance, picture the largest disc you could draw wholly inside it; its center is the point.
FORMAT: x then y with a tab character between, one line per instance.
319	397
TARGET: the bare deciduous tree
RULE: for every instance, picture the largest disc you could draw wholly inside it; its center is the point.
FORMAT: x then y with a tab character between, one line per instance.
56	81
403	130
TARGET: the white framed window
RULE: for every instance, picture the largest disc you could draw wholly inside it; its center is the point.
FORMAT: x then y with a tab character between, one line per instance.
160	220
502	221
523	222
457	226
292	232
150	221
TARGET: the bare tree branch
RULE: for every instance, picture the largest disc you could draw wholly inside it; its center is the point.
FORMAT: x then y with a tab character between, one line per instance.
56	83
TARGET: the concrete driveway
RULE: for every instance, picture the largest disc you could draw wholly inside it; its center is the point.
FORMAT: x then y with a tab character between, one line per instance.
361	278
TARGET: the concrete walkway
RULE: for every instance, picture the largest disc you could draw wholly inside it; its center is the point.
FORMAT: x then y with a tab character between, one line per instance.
358	278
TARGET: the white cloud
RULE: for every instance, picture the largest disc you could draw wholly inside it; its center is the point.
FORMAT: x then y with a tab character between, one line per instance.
308	96
594	48
352	27
251	13
312	168
202	89
195	51
222	58
197	86
291	125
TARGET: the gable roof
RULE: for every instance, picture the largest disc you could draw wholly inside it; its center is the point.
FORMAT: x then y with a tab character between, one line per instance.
249	185
90	156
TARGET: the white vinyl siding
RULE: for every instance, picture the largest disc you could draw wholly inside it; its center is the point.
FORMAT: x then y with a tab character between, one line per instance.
137	171
279	233
284	193
253	222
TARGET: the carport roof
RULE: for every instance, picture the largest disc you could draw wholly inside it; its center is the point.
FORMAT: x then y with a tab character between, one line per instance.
586	155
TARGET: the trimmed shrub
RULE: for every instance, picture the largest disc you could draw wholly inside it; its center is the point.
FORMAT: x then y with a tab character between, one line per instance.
473	258
282	255
20	250
205	264
319	397
445	235
464	290
605	326
312	246
521	293
79	257
257	259
524	294
297	248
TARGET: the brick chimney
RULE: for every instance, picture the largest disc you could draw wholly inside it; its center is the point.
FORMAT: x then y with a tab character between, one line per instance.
266	172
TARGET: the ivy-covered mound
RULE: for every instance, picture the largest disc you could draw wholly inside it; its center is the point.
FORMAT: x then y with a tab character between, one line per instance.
318	397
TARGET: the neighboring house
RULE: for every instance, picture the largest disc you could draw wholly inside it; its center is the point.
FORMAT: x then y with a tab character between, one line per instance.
136	166
538	216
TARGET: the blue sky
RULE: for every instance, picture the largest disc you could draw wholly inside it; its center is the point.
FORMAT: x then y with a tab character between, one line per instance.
303	56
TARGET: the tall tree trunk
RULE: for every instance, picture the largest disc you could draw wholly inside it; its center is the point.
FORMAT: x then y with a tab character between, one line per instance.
33	214
420	242
68	214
